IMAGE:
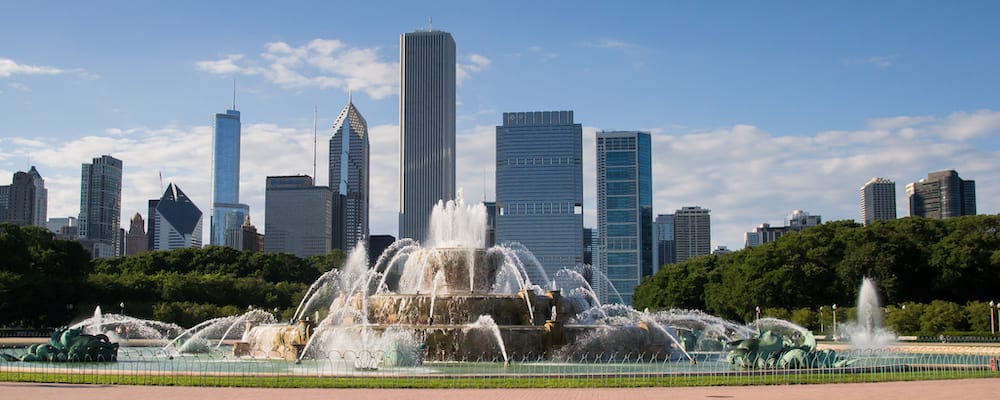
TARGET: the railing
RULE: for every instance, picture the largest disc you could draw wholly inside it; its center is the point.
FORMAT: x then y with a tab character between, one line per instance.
154	366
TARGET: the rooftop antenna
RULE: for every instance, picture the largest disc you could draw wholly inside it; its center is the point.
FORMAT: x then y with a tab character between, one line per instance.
430	23
315	116
234	94
161	181
484	185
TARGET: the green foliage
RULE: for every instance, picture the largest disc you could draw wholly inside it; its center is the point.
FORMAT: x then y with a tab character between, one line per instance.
912	260
42	280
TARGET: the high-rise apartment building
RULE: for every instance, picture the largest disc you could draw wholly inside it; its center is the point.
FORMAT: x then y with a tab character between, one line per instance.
178	221
942	194
25	201
136	241
228	214
426	128
101	206
878	200
539	187
349	159
692	232
297	216
664	251
624	210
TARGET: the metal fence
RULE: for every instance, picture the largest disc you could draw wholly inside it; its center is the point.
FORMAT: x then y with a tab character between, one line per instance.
376	369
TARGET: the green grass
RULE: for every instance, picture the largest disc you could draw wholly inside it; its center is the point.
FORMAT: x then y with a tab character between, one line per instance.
444	382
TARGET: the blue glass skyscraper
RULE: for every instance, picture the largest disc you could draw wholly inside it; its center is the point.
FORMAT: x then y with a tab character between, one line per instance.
539	187
349	161
227	212
624	211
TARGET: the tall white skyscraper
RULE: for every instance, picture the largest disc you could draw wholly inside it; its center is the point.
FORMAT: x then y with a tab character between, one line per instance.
878	200
426	127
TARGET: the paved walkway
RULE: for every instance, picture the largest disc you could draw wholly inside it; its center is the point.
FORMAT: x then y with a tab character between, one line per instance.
949	389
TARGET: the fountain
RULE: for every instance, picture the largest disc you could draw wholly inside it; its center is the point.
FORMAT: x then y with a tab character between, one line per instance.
119	327
456	300
868	331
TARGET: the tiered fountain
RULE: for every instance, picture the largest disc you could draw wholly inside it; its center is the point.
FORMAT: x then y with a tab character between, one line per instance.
456	300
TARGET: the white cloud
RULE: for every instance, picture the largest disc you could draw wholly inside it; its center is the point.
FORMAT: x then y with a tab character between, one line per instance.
10	67
475	63
321	63
743	173
963	126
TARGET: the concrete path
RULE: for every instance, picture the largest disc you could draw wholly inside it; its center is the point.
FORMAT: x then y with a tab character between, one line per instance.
947	389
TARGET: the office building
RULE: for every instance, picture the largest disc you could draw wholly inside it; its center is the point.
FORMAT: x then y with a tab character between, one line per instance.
491	223
64	228
349	158
100	206
297	216
426	128
178	221
624	210
25	200
227	214
664	251
692	232
878	200
589	243
136	241
539	187
796	222
246	238
942	194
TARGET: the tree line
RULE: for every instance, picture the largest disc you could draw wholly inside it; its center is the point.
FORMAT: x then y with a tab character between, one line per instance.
933	264
45	282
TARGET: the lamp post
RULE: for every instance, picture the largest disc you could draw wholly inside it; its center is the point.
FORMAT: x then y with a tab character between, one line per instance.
821	330
835	322
758	318
992	318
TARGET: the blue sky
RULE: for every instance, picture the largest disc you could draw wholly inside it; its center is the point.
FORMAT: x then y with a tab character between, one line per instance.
756	108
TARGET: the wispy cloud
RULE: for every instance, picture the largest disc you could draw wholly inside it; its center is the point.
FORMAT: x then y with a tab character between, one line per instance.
473	63
10	67
880	62
610	44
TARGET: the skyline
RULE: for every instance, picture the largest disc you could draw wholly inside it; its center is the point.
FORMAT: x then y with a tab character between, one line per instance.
755	110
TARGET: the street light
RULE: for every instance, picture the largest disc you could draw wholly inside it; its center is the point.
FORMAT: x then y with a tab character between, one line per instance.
821	330
835	322
758	318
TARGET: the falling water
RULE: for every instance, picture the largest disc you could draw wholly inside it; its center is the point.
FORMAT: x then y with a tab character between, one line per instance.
438	280
485	323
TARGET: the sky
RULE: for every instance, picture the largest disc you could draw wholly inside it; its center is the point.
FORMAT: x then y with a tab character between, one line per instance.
756	109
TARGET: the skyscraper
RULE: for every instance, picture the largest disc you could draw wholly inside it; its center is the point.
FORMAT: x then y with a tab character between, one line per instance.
663	235
136	241
297	216
692	232
625	209
539	187
25	200
178	221
942	194
426	128
349	158
100	206
227	213
878	200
